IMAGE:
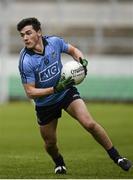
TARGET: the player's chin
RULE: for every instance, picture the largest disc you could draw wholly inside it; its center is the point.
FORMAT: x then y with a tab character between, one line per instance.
28	46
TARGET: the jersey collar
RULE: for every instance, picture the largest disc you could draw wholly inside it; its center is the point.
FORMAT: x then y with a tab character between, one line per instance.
45	43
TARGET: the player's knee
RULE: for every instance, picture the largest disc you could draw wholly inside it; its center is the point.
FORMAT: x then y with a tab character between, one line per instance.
91	126
88	123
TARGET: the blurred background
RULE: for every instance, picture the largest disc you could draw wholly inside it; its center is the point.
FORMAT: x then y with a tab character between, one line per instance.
101	29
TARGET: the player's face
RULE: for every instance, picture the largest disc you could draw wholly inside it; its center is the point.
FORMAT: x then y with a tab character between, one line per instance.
30	37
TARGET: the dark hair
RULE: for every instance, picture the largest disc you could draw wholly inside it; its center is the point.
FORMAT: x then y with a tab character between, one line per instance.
29	21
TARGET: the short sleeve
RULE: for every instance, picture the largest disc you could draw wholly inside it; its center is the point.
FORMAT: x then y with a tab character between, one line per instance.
63	45
26	72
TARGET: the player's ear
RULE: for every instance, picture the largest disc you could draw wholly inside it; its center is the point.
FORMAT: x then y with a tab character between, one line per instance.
39	32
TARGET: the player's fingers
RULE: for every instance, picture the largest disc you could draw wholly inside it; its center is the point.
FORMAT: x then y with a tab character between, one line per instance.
71	82
68	79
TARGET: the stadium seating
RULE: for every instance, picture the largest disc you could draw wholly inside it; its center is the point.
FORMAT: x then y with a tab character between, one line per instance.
96	26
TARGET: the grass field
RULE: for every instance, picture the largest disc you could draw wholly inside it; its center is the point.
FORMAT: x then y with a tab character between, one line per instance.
21	148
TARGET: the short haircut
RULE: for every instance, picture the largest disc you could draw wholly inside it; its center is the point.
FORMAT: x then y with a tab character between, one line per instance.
29	21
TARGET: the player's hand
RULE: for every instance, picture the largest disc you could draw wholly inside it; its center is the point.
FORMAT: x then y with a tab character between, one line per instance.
84	63
63	84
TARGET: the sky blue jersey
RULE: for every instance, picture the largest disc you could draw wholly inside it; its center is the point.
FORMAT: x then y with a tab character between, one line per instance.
44	69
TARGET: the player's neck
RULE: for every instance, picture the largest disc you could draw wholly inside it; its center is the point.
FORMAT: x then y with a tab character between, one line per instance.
39	48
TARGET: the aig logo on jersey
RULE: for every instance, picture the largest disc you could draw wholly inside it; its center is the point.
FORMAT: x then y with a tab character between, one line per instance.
50	72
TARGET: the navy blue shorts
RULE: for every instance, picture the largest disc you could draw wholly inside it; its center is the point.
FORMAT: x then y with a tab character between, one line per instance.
46	114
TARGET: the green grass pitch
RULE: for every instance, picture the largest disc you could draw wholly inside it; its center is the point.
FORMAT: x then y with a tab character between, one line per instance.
22	155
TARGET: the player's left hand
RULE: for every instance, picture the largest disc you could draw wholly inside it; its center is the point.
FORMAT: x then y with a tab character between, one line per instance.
84	63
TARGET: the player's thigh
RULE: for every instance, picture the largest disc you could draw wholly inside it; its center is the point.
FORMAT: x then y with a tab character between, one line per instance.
79	111
48	131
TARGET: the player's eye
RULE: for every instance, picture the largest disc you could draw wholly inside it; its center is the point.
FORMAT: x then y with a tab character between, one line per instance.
22	35
28	32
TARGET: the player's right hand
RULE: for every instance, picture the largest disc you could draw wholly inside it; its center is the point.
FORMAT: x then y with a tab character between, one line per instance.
63	84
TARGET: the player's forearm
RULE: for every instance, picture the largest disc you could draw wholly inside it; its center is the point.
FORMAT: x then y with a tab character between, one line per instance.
75	53
38	92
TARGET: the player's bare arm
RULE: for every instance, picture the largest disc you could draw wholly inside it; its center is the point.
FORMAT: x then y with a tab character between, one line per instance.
33	92
75	52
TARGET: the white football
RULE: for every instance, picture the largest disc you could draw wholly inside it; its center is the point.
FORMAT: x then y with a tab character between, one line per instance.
75	70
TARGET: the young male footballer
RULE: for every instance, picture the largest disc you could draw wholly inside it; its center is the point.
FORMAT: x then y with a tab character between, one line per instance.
40	69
